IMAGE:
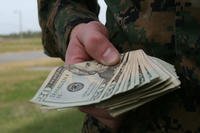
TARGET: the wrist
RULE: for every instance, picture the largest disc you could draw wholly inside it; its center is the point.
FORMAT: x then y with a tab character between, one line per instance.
79	27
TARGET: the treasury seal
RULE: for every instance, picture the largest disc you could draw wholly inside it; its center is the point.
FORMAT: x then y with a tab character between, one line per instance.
74	87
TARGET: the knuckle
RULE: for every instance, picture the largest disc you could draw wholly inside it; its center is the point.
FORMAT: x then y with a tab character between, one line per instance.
99	26
94	39
93	23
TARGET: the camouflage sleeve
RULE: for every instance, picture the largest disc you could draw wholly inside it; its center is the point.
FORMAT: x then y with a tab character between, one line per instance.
92	125
58	17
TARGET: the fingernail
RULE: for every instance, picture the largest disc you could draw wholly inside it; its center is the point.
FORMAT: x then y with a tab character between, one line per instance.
110	57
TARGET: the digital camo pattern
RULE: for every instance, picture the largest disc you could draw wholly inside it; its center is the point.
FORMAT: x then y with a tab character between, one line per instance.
168	29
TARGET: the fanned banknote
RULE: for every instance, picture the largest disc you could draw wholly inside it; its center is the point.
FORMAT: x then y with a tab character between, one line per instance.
136	80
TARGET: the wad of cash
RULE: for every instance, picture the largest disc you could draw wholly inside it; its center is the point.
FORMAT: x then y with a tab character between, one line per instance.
138	79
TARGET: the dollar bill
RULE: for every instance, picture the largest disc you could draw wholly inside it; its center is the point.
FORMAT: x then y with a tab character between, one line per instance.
136	80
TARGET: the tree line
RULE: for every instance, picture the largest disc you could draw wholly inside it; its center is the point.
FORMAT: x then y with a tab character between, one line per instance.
27	34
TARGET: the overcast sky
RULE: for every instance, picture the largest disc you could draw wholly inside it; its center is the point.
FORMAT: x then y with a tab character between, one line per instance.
9	15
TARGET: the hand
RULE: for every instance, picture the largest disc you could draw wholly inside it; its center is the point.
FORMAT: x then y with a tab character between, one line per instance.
90	41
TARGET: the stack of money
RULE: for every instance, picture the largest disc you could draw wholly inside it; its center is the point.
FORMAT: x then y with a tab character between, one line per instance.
138	79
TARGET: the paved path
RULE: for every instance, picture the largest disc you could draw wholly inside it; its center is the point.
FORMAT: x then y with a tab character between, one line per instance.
21	56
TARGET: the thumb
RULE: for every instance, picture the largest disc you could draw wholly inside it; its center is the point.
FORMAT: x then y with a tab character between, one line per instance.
100	48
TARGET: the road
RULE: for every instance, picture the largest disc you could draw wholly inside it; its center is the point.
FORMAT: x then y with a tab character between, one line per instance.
21	56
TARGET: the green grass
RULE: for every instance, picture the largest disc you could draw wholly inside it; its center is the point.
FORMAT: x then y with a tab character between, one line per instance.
17	45
18	84
18	115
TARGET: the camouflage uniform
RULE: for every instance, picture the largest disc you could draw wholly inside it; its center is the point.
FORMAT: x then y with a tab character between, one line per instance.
168	29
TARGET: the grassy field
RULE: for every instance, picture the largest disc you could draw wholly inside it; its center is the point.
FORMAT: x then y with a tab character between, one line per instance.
18	84
17	45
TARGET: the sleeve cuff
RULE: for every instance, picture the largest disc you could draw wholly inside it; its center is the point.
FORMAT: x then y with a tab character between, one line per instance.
63	30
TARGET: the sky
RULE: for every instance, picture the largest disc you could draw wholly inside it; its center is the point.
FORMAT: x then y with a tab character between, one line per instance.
10	10
9	16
